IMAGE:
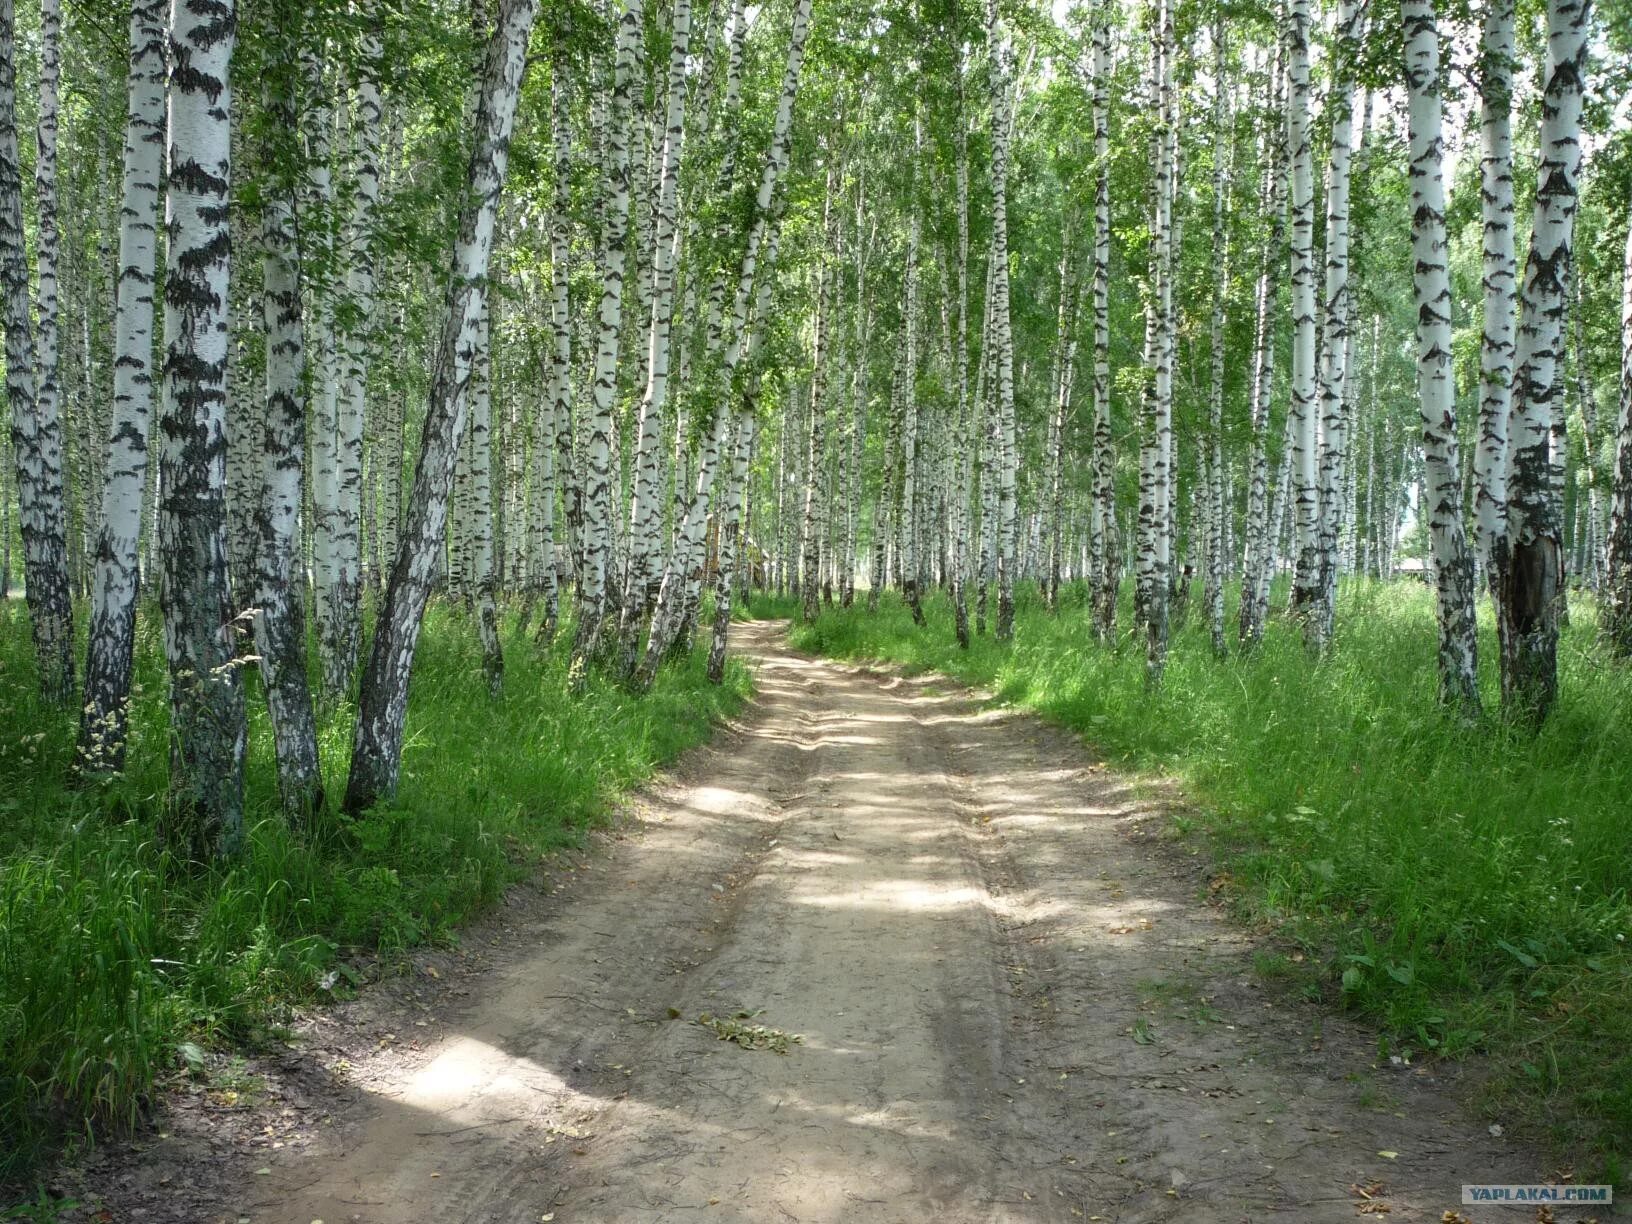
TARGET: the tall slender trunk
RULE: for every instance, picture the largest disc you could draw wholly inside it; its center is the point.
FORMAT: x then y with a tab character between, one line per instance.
206	804
36	427
483	575
1436	392
320	242
47	235
280	629
646	503
909	402
1261	525
597	492
1213	591
683	575
1305	431
1617	604
1106	569
354	353
1530	552
1496	347
963	459
1335	337
114	587
815	468
1003	339
1155	460
376	758
1065	356
731	542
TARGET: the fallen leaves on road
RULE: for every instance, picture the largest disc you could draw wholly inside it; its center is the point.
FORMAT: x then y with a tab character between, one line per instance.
748	1036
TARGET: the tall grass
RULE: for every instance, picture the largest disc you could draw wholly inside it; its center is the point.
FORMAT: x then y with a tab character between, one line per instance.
1466	888
113	954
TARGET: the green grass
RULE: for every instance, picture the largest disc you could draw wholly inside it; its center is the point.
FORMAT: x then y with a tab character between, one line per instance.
115	958
1462	888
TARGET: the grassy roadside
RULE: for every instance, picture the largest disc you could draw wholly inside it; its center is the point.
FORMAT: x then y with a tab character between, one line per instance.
1465	889
113	956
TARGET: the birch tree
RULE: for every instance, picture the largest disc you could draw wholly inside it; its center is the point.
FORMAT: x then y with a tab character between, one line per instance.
1105	565
597	489
376	758
280	613
200	632
1453	563
1500	275
1617	605
36	427
109	652
1305	422
1530	552
1336	340
1002	334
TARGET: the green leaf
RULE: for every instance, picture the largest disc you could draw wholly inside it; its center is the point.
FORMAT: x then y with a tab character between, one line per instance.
1524	958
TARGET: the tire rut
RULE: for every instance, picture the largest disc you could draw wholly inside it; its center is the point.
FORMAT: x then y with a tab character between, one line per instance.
1012	1007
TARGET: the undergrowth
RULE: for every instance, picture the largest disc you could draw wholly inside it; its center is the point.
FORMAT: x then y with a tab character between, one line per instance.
115	958
1464	888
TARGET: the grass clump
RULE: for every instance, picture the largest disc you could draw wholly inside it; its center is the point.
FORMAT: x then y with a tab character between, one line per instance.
1465	888
116	959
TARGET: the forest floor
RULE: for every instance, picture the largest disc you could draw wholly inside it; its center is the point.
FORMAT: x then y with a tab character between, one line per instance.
981	984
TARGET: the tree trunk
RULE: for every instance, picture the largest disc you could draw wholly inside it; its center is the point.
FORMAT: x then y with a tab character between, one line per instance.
1106	571
646	508
36	428
1213	589
1003	340
1617	605
114	588
730	546
597	492
815	468
1305	443
280	629
383	698
206	804
1496	347
1436	392
1335	337
683	574
1530	552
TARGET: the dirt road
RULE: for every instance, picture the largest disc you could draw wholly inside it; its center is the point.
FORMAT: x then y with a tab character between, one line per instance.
1011	1004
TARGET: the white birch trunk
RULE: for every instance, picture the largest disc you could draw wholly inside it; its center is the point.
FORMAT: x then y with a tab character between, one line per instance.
206	691
36	429
1213	590
1105	569
383	698
1335	338
597	491
1500	277
1002	336
1530	555
1617	605
646	508
354	355
683	574
1436	392
279	618
1305	429
115	583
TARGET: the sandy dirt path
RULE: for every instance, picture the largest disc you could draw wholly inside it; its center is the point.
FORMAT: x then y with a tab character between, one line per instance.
1013	1004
